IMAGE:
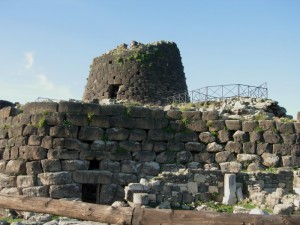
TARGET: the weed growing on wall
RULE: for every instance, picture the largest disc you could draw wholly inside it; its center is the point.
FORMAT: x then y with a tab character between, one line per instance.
66	123
90	117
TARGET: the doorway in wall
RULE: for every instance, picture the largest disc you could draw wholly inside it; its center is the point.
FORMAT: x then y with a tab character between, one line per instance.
113	91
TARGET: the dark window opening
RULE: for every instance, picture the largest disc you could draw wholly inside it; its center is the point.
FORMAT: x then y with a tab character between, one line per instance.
114	77
113	91
94	165
90	193
110	62
138	72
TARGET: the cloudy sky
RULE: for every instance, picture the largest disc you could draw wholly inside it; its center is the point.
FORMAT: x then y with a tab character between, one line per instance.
46	47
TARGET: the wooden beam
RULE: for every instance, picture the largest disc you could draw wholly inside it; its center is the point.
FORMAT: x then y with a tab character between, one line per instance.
137	216
72	209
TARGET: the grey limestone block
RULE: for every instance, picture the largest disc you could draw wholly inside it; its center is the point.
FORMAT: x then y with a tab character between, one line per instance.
3	143
296	125
32	153
166	157
65	191
144	156
138	112
159	135
282	149
198	126
131	146
264	147
233	125
70	107
207	137
174	114
7	181
34	168
111	166
51	165
267	124
77	119
128	166
40	107
15	131
57	178
124	178
271	137
62	154
73	165
235	147
224	136
159	146
140	198
214	147
100	121
137	135
2	165
186	137
256	136
204	157
241	136
210	115
232	167
34	140
91	108
112	110
119	156
121	121
289	138
195	147
68	131
24	181
285	128
92	176
192	115
47	142
184	157
15	167
36	191
75	144
117	134
270	160
150	168
249	126
249	147
224	156
175	146
29	130
216	125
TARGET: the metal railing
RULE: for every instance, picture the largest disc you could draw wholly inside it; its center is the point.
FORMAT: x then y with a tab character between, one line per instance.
220	92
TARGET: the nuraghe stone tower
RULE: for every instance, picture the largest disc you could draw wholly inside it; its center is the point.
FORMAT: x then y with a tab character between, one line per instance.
145	73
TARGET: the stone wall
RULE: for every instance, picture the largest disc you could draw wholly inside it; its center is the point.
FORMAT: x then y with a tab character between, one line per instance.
142	73
91	152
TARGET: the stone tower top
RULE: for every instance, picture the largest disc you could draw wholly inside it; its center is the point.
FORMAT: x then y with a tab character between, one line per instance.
145	73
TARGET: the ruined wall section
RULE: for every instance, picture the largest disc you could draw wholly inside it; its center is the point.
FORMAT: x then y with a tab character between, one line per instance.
142	73
74	150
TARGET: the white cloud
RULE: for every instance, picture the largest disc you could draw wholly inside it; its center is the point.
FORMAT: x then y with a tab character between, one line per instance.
29	60
44	83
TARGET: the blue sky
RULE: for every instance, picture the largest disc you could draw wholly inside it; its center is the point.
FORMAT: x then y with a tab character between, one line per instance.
46	47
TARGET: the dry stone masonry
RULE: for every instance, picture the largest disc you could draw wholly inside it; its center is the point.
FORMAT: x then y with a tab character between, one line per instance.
91	153
145	73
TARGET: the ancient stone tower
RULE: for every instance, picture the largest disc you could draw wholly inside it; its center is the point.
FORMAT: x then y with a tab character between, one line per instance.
145	73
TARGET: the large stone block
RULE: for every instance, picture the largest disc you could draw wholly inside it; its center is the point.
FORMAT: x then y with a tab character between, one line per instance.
34	140
271	137
233	125
150	123
207	137
270	160
249	126
282	149
216	125
32	153
15	167
131	146
150	168
248	158
100	121
235	147
92	177
51	165
117	134
58	178
7	181
198	126
62	154
144	156
267	124
91	108
26	181
174	114
224	136
214	147
112	110
65	191
285	128
137	135
47	142
184	157
263	147
90	133
77	119
67	131
195	147
249	147
124	179
40	107
119	156
186	137
210	115
232	167
70	107
166	157
128	166
240	136
111	166
160	135
121	121
73	165
15	131
111	193
204	157
37	191
33	168
224	156
75	144
289	138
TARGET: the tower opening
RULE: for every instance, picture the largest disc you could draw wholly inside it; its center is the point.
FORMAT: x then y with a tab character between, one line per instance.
113	91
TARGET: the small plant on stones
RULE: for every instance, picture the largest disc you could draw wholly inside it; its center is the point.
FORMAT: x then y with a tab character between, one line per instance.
185	121
90	117
258	129
5	126
121	150
105	138
66	123
42	121
214	133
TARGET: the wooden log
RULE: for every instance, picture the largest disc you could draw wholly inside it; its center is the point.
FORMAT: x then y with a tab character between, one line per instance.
72	209
137	216
186	217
